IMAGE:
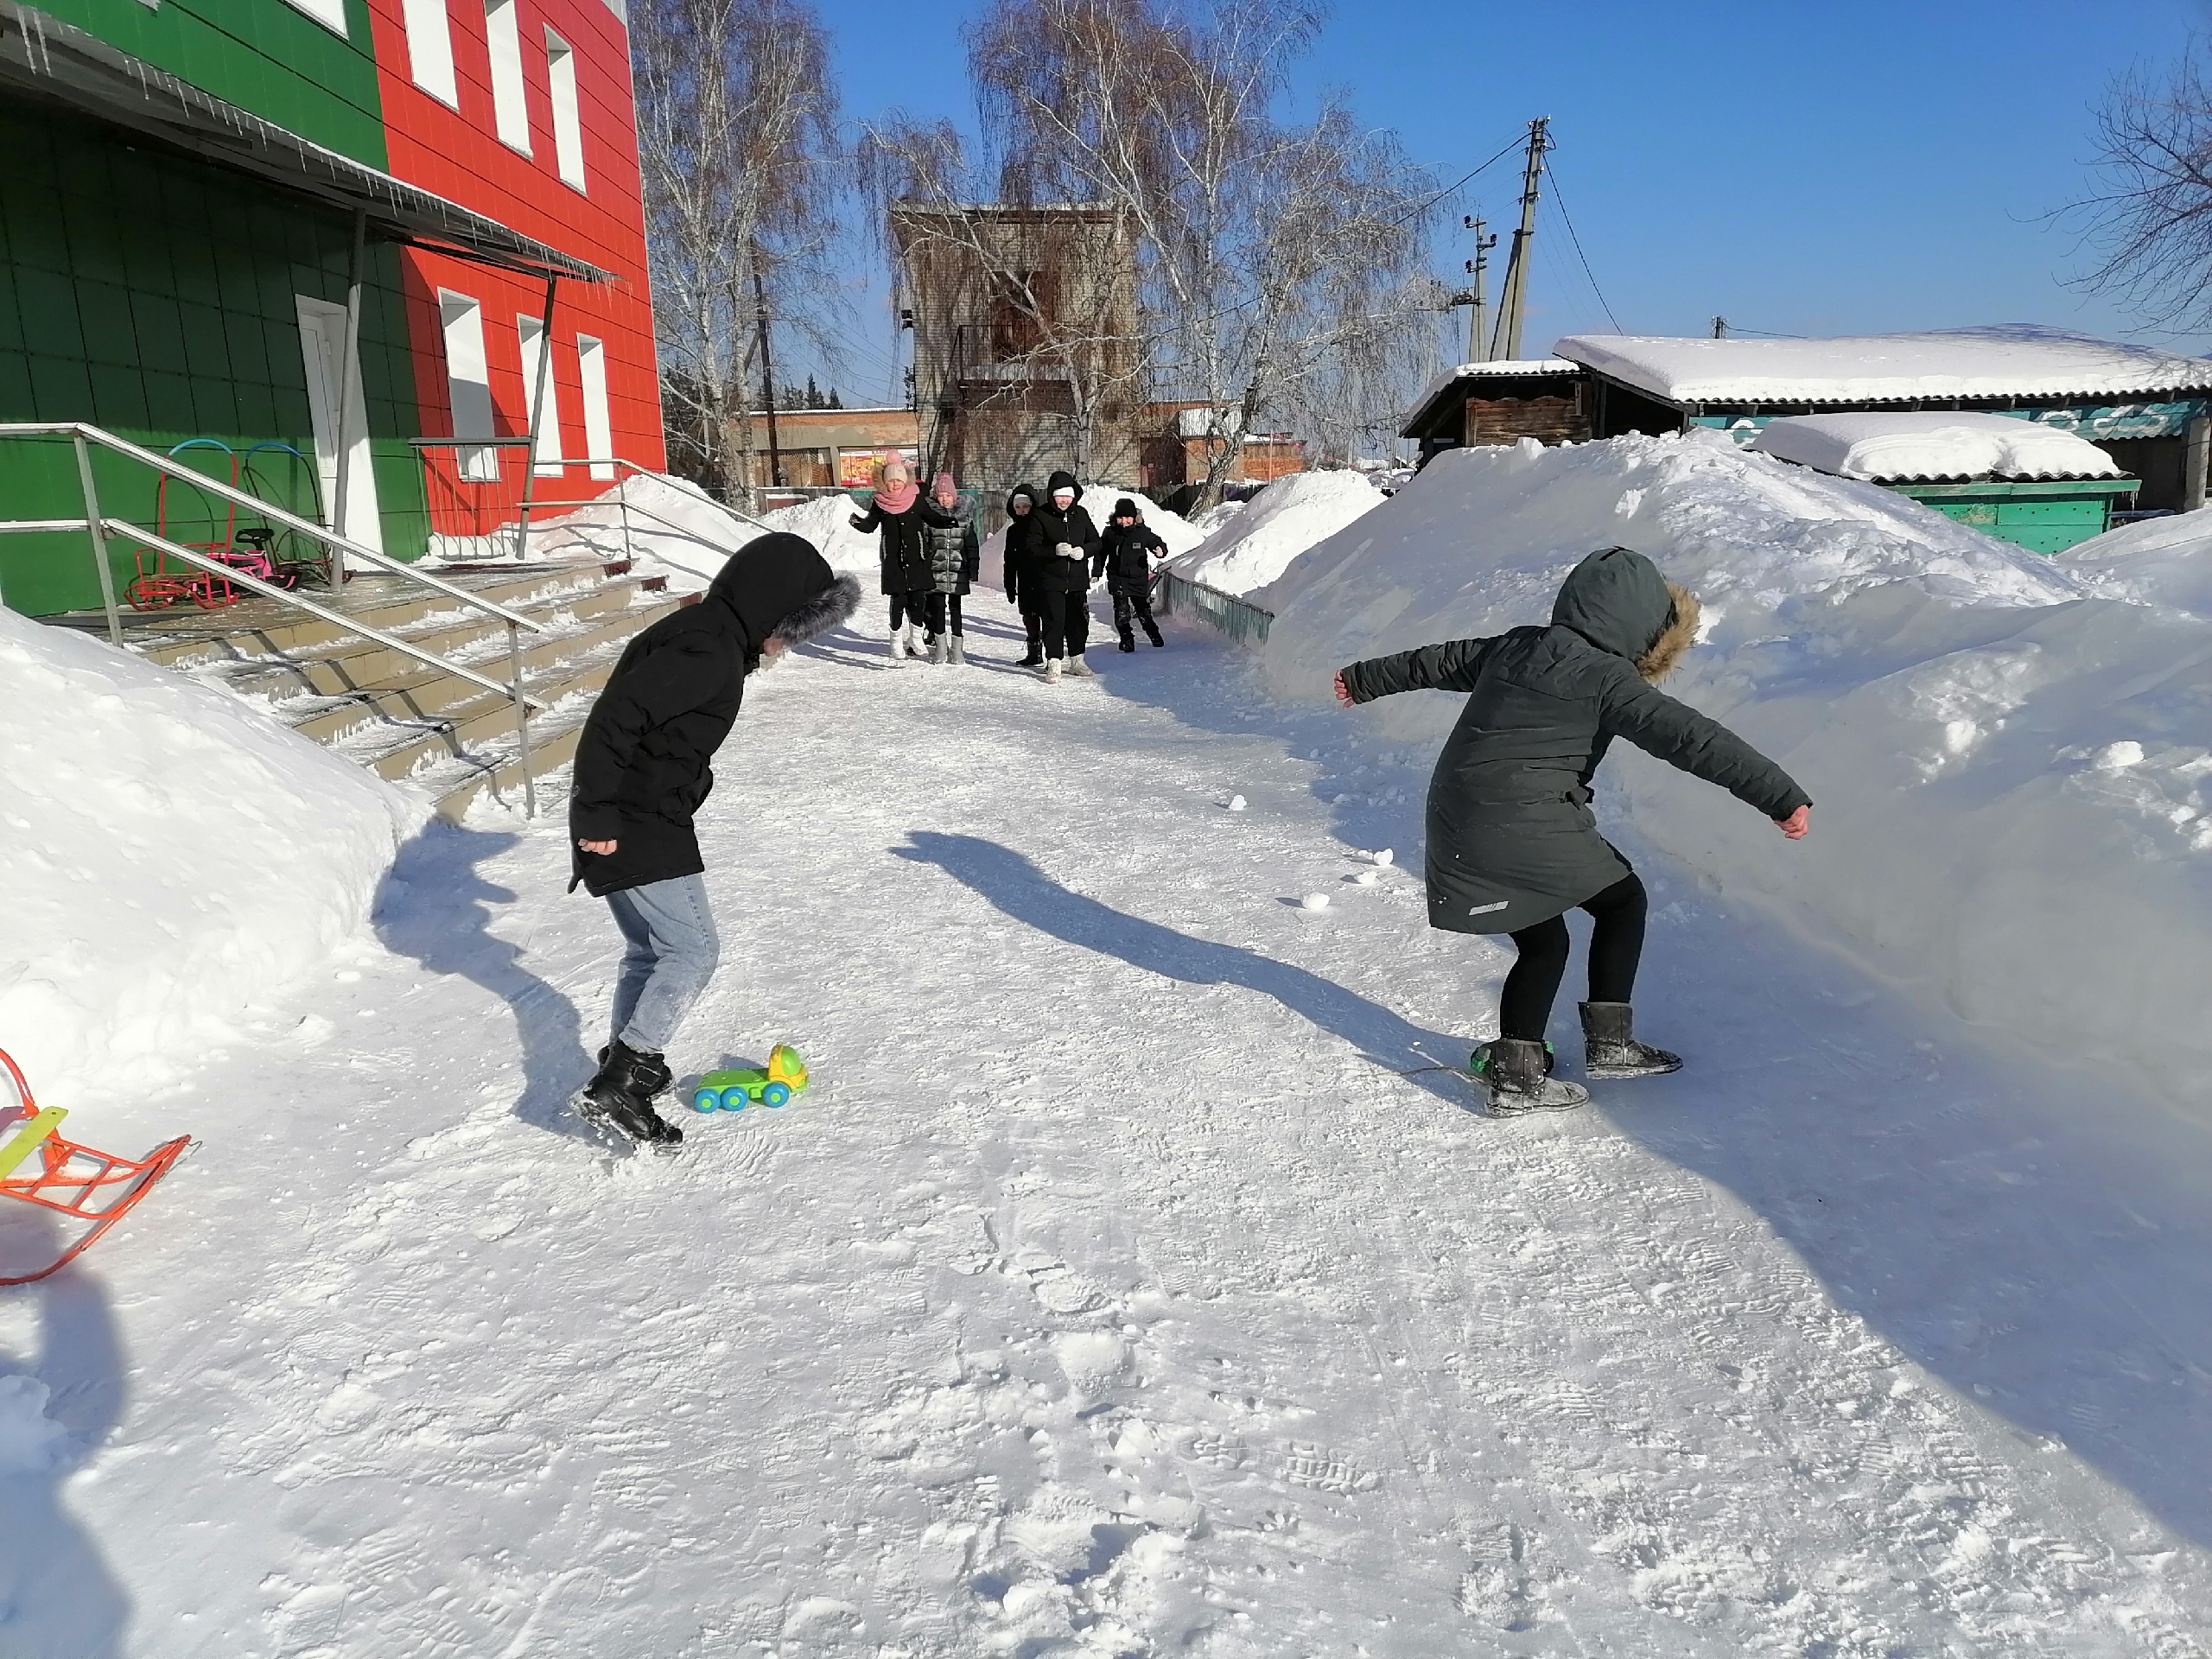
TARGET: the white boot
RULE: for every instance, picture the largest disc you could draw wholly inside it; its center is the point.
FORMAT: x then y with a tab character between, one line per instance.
1076	664
1051	671
912	649
959	657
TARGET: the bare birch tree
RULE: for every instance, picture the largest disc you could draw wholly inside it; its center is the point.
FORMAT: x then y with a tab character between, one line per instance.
1281	262
738	147
2152	221
1053	290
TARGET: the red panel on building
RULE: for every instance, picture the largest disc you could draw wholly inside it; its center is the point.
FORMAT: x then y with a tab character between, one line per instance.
554	75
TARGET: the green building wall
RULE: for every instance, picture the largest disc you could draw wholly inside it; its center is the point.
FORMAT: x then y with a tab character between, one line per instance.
261	56
153	294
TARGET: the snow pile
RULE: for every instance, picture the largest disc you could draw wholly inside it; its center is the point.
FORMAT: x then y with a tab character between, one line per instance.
2018	359
674	528
2013	783
173	858
1255	547
2158	562
827	521
1929	446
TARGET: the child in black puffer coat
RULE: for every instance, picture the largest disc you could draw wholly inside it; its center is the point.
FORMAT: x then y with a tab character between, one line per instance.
954	559
1126	553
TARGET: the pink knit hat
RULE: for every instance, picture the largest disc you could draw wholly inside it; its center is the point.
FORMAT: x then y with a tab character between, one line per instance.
942	484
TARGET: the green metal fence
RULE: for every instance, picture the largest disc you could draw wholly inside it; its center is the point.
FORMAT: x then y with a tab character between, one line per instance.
1246	624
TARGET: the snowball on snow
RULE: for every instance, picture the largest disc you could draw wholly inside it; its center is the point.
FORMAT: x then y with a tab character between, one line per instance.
1314	901
1235	803
1897	445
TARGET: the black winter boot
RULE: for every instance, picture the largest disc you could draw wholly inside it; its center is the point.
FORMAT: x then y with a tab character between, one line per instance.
1152	632
1519	1079
1609	1049
656	1073
1128	642
621	1095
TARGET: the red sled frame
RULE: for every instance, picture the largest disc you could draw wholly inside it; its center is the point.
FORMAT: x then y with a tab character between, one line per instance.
73	1180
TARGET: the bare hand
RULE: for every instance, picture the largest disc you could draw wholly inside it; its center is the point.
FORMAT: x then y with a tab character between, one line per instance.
1344	692
604	848
777	646
1797	825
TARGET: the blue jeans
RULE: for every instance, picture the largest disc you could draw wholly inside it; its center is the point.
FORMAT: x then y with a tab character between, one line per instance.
670	951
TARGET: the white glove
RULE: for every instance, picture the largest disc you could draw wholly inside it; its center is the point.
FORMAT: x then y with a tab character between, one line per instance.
1068	550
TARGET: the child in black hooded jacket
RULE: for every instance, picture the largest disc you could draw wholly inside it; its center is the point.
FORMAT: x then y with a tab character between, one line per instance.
1126	552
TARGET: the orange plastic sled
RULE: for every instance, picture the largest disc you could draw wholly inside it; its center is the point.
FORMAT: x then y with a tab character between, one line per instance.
74	1181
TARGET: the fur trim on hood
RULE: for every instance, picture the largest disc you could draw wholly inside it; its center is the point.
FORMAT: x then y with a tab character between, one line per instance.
1679	634
826	610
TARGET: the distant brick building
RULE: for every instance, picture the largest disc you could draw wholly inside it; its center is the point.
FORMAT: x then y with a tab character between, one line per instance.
1027	338
1177	449
825	447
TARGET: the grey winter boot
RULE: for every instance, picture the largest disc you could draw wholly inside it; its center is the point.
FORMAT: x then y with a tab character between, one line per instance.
937	649
1609	1049
959	652
1519	1077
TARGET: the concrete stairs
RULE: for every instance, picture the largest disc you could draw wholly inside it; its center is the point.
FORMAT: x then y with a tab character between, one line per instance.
406	720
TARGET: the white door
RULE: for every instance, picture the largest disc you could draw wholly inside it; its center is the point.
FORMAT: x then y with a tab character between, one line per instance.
322	343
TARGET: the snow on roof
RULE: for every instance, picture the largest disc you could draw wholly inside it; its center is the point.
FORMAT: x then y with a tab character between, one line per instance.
2008	360
1894	448
1506	367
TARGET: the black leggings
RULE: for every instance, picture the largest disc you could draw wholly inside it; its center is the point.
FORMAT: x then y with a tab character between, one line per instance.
1067	622
1615	946
912	608
939	604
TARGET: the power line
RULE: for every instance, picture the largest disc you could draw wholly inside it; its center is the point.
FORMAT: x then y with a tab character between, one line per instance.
1559	199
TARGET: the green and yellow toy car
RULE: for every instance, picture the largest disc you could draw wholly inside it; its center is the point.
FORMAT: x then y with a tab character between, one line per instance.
733	1091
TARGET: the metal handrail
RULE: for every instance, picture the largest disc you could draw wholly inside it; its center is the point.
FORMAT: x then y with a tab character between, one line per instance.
129	531
100	526
221	490
624	502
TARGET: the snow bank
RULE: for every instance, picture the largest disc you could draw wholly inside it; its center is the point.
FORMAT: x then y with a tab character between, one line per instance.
1929	446
827	521
2018	359
1253	548
675	529
2158	561
172	857
2012	783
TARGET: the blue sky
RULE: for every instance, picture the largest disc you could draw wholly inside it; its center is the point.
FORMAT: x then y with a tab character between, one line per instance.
1799	167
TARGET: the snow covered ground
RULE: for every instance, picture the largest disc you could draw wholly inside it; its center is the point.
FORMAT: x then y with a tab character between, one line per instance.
1109	1294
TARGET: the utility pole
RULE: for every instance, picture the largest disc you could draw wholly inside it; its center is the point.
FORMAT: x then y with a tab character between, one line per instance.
1479	336
1720	327
767	377
1514	302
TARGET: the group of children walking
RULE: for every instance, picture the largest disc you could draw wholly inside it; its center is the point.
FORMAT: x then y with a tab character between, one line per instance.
1054	553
